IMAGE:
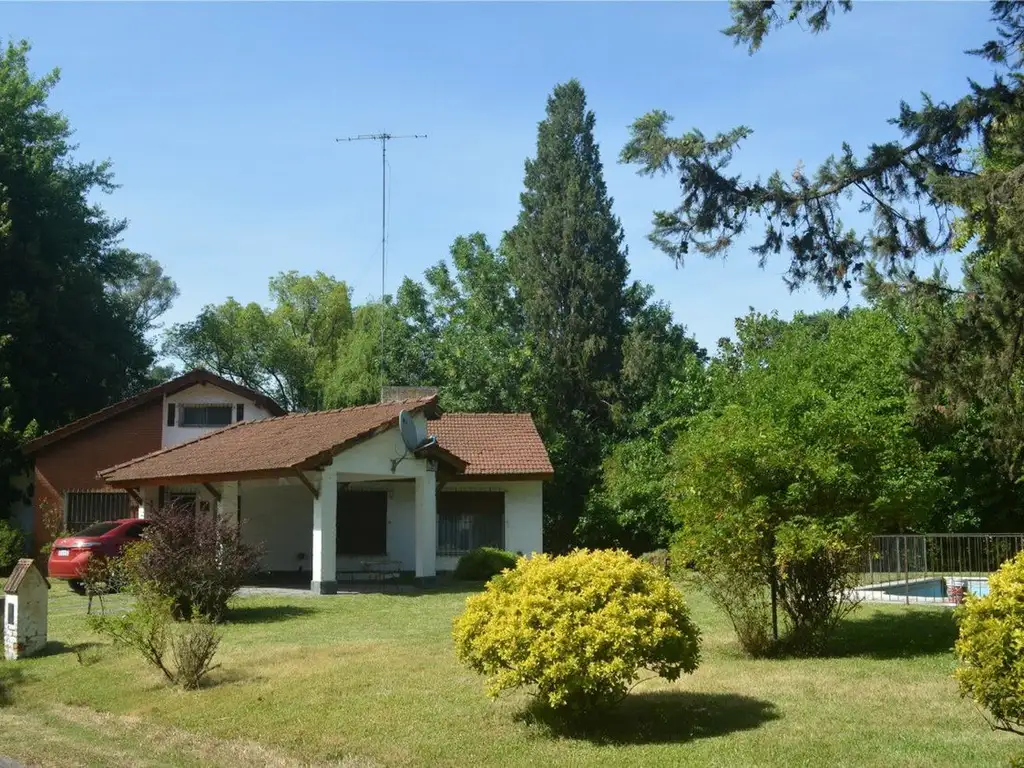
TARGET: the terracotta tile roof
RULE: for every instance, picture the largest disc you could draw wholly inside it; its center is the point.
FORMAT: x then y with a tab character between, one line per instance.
493	443
190	379
299	440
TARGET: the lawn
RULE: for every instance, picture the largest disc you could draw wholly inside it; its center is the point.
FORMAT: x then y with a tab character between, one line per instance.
370	680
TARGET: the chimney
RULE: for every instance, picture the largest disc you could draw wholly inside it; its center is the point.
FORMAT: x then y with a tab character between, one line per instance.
392	394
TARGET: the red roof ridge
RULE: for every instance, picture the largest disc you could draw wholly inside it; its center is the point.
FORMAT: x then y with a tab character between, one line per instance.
410	401
487	413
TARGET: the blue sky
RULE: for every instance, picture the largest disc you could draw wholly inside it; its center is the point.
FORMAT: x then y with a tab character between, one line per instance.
220	121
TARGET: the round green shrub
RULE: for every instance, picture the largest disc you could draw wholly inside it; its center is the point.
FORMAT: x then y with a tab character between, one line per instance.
12	545
990	648
484	564
577	628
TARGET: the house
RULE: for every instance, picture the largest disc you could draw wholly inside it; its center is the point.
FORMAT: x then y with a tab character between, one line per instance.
67	490
330	492
334	492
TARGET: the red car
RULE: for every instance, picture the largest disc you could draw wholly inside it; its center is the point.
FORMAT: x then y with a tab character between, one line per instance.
70	555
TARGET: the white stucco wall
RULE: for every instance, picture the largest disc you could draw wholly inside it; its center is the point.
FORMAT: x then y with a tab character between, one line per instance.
524	520
371	458
281	518
207	394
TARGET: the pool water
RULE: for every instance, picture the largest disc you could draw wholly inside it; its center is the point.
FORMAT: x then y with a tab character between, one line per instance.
935	588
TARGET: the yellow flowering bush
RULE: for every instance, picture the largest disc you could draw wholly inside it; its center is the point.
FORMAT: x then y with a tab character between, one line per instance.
990	649
577	628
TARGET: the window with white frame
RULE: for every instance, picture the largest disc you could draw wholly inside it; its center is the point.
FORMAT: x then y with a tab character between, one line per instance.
205	415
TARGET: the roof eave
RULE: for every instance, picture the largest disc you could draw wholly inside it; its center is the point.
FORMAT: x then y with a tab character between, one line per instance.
506	476
443	455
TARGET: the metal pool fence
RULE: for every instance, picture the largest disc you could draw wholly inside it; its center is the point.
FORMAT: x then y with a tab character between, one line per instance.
934	567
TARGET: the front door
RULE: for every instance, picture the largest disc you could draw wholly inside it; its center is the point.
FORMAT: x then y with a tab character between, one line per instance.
363	523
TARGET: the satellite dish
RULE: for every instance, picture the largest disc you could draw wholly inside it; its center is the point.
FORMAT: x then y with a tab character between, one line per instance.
410	434
411	438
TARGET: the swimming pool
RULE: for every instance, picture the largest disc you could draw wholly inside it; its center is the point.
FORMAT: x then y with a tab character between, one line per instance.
929	590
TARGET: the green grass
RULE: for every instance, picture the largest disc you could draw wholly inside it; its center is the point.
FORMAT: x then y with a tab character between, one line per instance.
370	680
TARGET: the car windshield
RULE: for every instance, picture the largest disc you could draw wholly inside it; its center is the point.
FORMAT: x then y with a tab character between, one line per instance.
97	529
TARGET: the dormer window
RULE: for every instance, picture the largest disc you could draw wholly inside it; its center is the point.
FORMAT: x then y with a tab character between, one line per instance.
204	415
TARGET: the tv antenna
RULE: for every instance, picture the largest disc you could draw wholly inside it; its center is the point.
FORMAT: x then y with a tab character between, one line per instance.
383	137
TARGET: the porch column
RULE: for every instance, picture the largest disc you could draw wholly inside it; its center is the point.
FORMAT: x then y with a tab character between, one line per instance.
325	532
426	525
227	507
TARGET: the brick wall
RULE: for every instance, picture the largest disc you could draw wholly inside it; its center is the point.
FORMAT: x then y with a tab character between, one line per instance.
72	463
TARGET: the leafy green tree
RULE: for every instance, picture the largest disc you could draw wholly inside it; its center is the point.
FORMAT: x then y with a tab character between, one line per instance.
951	182
286	351
482	357
665	383
72	306
146	291
951	423
569	264
629	508
908	186
408	352
662	367
810	446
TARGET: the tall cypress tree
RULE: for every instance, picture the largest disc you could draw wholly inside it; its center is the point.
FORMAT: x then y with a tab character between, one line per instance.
569	263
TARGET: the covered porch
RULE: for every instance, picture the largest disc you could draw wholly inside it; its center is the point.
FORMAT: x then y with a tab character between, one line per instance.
326	494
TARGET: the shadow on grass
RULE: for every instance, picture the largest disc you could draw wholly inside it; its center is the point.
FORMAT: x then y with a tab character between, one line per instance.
443	588
265	614
661	717
230	676
57	647
911	632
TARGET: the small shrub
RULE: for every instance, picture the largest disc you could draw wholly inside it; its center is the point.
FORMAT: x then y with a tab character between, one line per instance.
484	564
183	652
196	560
816	574
812	565
193	646
990	648
145	628
743	597
87	654
12	545
578	628
659	558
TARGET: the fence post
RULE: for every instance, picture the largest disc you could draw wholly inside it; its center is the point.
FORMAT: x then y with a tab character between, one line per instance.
906	571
